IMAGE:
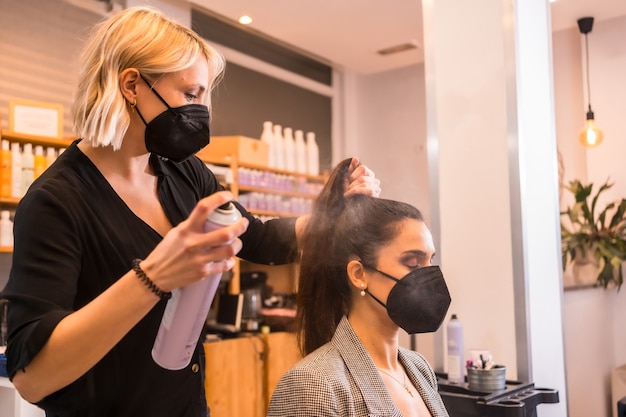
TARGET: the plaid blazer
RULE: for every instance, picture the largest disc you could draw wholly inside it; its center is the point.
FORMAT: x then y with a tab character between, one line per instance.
340	379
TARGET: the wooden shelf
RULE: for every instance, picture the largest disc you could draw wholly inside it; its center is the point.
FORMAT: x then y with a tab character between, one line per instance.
265	190
320	178
271	213
36	140
9	201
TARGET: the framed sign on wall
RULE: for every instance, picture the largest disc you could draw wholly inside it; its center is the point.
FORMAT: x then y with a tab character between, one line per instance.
36	118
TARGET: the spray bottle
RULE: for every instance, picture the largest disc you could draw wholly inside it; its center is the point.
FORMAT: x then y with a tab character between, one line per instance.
189	306
456	362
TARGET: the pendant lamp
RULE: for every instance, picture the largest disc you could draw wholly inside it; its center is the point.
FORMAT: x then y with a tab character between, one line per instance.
590	135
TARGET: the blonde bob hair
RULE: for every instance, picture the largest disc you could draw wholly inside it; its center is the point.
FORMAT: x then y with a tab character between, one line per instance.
141	38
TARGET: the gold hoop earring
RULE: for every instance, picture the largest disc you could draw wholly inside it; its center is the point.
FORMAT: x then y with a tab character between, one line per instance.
132	106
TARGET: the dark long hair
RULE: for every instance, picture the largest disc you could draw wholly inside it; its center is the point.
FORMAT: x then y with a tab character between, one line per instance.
340	229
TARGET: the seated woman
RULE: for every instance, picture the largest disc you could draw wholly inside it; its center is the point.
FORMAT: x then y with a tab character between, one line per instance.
365	273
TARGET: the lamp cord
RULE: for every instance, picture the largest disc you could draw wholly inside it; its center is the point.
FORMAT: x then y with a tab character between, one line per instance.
587	71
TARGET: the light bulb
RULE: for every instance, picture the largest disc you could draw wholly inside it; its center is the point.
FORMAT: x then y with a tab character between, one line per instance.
245	20
591	136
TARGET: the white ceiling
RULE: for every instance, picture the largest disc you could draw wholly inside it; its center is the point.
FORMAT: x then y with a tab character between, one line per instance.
348	33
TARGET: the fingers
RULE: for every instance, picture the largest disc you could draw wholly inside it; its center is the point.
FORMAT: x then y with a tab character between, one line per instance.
362	180
354	163
366	186
213	268
201	212
187	253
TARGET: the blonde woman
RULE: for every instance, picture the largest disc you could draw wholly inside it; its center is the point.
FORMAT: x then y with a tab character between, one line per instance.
116	224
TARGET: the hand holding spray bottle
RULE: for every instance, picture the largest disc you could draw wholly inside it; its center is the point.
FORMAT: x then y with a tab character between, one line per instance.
187	310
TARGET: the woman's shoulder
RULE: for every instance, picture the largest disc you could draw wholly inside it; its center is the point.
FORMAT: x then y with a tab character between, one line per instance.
323	357
314	383
323	365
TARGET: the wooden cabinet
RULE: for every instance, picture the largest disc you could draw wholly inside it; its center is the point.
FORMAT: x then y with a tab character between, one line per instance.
242	373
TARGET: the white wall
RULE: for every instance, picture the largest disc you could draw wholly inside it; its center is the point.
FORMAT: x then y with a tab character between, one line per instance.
595	339
384	121
593	318
392	132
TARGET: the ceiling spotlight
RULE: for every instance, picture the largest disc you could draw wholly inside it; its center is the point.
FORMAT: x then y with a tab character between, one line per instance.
245	20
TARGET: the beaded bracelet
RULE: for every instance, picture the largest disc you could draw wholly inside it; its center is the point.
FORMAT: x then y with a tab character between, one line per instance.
146	280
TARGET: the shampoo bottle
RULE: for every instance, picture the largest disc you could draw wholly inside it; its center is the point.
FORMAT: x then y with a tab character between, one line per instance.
6	229
50	156
456	362
290	150
279	147
300	151
40	161
312	155
16	170
5	170
267	136
28	167
187	310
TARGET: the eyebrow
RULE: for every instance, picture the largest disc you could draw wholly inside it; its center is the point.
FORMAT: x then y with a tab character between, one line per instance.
416	252
201	88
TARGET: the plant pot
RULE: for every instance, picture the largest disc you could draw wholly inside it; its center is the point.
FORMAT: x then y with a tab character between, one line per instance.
585	268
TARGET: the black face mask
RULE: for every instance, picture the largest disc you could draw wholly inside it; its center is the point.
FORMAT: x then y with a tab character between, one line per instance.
178	132
419	301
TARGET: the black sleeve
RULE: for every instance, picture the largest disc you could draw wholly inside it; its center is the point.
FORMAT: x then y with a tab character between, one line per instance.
43	279
268	243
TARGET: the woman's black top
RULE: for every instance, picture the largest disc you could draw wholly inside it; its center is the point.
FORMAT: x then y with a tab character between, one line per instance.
74	237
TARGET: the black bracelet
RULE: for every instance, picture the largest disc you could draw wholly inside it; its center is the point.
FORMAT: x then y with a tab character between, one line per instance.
146	280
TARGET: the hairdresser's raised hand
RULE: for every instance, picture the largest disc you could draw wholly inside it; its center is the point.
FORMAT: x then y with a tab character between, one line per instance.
188	254
362	180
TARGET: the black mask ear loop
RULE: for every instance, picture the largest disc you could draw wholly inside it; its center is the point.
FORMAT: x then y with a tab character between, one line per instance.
157	94
383	274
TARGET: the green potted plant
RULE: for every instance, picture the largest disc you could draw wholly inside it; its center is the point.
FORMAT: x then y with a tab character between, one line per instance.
592	236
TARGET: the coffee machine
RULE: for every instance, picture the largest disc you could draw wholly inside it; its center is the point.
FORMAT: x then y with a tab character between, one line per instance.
252	286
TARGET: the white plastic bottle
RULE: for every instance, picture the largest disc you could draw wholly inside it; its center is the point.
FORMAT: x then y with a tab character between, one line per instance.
189	306
279	147
50	156
6	229
267	136
312	155
28	167
290	149
456	361
16	170
300	151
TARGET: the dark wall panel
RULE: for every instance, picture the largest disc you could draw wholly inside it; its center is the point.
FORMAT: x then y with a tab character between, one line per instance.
246	98
244	40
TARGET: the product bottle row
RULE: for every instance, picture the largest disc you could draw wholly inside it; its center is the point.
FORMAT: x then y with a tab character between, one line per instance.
21	164
288	150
